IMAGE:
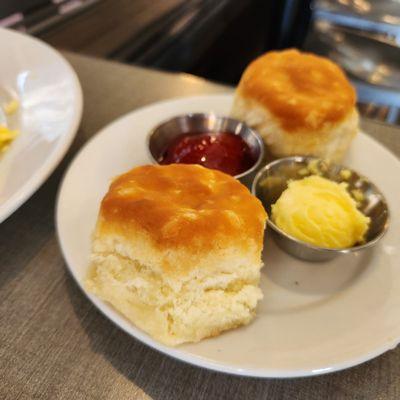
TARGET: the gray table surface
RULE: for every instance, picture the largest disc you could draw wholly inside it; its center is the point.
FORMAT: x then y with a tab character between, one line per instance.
56	345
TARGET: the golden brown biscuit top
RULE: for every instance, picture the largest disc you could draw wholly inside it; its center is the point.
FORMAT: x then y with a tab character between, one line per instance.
303	91
185	206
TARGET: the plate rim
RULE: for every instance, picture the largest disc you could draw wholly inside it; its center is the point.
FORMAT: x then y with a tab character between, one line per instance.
41	174
177	353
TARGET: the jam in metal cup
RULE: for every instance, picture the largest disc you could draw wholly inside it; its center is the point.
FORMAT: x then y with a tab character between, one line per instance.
164	134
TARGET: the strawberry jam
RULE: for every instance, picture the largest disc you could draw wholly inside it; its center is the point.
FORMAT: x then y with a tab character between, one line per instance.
224	151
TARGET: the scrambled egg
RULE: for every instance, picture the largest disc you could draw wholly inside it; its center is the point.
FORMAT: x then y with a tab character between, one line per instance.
6	137
11	107
321	212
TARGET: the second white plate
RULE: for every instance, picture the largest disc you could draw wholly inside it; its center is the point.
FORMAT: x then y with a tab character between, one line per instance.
314	318
50	108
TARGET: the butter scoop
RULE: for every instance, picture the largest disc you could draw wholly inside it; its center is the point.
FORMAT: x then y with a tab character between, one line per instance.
321	212
274	179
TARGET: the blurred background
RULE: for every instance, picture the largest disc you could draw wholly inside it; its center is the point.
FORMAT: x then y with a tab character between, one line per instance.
216	39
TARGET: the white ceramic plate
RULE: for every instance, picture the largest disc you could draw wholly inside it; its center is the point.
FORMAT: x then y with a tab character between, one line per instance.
314	318
50	107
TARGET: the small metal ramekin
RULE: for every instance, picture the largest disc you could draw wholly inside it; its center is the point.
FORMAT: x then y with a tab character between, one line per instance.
163	134
272	180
